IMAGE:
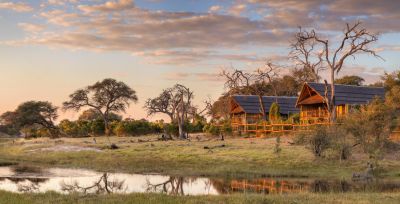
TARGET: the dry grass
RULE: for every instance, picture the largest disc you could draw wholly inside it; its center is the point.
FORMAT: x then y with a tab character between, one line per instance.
349	198
239	157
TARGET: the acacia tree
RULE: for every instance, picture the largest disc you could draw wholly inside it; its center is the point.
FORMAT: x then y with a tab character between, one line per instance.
355	40
106	97
41	113
176	102
350	80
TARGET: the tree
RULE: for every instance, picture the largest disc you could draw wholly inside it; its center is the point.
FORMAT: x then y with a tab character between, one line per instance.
309	61
239	81
165	103
105	97
350	80
355	40
92	115
33	113
176	102
274	112
391	80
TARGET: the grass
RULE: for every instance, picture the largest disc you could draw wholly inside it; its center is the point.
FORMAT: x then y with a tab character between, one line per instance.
51	197
240	158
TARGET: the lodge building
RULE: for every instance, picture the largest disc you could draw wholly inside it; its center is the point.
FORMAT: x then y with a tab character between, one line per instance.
246	110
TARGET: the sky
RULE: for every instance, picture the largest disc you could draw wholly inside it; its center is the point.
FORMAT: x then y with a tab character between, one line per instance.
50	48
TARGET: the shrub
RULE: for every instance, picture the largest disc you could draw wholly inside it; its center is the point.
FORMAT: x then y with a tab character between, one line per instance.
300	138
319	140
212	129
274	112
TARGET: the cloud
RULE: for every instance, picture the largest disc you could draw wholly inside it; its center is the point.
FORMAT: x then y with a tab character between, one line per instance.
176	76
137	30
181	38
61	2
237	9
18	7
30	27
108	6
214	9
183	57
181	76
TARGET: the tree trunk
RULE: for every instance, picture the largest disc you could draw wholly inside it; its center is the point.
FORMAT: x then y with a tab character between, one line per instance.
107	129
181	124
332	99
261	101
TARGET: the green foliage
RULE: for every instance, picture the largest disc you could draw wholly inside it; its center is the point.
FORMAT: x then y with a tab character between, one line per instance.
371	125
319	141
294	118
32	115
136	128
350	80
274	112
216	129
92	114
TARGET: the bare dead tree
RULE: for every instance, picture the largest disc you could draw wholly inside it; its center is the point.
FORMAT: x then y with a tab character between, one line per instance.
207	110
243	82
164	103
308	58
176	102
355	40
185	96
237	81
172	186
102	185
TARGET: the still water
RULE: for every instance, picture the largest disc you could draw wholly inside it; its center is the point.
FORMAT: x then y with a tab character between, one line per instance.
86	181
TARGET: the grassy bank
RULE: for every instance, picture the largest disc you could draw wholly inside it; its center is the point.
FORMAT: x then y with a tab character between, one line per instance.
51	197
239	157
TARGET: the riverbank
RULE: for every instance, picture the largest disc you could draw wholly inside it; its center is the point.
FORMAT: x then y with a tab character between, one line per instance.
51	197
202	156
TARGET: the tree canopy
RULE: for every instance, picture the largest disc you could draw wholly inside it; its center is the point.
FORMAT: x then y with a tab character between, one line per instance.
32	113
105	97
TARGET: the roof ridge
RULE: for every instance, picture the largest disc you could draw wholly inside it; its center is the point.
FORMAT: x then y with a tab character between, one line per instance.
363	86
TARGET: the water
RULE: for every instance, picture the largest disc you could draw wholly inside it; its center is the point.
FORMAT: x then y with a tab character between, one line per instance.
87	181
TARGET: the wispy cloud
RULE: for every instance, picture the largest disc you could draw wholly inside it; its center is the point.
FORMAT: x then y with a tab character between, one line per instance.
18	7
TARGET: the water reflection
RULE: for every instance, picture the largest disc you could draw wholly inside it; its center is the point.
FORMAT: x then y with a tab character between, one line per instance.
85	181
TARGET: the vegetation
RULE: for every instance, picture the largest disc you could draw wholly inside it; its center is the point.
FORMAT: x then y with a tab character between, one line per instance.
274	112
350	80
51	197
355	40
32	118
176	102
147	154
105	97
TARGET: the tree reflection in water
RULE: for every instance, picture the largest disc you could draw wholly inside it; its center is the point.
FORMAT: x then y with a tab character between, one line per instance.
102	185
172	186
26	185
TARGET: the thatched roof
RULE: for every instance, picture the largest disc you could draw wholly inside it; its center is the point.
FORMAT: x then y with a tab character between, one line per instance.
344	94
250	103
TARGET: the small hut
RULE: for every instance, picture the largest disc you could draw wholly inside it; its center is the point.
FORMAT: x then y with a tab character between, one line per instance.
313	108
247	109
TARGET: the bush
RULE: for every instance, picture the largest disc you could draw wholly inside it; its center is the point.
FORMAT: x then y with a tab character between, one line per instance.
216	129
135	128
274	112
371	125
319	140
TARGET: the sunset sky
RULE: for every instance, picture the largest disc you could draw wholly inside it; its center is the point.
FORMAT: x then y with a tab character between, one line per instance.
49	48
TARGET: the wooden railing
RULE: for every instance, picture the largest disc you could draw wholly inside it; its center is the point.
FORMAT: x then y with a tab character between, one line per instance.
264	128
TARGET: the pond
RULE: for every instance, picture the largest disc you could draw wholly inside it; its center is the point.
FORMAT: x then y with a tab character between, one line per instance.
86	181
